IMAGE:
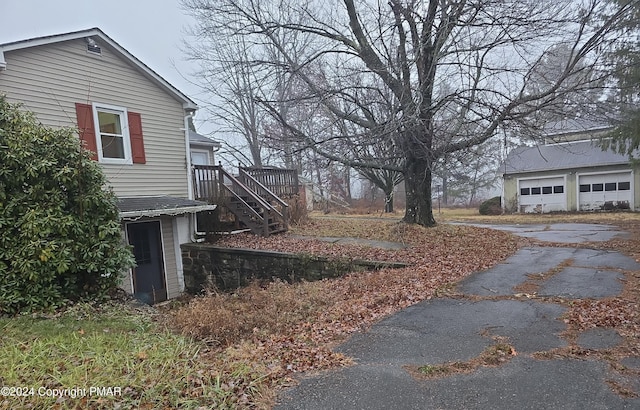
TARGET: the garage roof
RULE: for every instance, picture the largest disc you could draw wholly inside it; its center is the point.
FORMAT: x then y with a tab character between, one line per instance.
579	154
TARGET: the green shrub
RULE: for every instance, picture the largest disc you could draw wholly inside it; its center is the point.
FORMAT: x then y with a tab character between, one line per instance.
491	206
60	237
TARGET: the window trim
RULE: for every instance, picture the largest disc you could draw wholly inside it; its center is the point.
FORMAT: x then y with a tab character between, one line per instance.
126	138
201	151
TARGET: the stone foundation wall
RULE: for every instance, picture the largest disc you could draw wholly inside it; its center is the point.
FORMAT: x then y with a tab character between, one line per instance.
229	268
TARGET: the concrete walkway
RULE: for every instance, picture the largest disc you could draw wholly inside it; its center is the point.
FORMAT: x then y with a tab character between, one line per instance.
355	241
559	232
459	329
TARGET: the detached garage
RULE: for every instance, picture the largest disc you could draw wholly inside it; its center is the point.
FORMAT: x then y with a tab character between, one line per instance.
573	175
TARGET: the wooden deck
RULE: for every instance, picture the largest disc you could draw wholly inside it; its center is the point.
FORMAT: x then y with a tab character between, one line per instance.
254	196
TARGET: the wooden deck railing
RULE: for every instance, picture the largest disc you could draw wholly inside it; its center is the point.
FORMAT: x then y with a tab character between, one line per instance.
281	181
206	183
248	197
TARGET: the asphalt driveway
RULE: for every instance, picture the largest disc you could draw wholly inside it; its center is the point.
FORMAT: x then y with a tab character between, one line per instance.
492	305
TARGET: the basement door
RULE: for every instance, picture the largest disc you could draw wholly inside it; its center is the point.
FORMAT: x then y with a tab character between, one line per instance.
148	275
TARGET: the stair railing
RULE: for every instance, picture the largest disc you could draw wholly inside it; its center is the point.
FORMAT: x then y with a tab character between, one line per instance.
265	192
238	189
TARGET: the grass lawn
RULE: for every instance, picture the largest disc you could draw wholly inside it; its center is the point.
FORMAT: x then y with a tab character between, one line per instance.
236	350
112	356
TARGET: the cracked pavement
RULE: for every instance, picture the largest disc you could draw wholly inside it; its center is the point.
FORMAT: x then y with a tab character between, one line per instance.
493	304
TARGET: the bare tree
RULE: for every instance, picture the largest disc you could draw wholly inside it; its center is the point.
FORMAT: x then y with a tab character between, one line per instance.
485	51
230	82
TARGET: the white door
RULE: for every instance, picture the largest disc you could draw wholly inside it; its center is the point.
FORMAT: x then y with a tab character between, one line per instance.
604	191
542	195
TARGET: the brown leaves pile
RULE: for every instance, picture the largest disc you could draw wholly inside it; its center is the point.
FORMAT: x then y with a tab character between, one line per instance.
609	313
289	328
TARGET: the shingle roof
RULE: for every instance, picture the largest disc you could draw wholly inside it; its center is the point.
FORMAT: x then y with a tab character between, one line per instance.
195	138
159	205
577	154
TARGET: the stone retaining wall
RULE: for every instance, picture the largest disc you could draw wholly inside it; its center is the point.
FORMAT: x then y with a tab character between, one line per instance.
229	268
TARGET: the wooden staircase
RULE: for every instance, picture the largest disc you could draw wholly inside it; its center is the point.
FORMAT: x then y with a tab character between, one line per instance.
254	206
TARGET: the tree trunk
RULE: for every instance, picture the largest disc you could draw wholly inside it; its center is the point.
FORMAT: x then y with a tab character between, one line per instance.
445	188
417	182
388	201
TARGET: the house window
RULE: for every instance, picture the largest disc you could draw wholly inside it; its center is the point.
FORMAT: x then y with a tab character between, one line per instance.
535	191
624	186
547	189
585	188
558	189
597	187
200	157
524	191
610	186
112	134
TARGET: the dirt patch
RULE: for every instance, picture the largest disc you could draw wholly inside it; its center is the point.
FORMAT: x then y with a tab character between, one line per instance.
494	355
532	284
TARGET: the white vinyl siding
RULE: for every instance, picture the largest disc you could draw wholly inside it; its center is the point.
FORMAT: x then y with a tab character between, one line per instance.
50	79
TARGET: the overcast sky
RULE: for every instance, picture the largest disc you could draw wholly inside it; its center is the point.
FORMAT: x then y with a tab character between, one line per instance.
151	30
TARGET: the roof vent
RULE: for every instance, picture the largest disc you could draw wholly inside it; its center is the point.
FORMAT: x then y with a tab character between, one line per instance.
92	47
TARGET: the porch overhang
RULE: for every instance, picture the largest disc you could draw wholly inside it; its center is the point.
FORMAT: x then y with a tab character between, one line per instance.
154	206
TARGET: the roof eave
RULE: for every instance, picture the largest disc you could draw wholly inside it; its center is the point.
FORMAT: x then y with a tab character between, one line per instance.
612	164
187	103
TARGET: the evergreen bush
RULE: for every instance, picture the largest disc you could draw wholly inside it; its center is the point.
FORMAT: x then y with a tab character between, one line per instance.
60	236
491	206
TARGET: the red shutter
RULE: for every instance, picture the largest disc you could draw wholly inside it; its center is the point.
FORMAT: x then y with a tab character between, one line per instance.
135	134
84	114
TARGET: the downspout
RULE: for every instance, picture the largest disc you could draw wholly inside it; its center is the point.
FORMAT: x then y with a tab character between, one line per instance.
192	216
188	151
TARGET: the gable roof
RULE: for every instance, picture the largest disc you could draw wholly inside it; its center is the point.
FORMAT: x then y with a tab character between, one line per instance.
95	33
199	139
571	155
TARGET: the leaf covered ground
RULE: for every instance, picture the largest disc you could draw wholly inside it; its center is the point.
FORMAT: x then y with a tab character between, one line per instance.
283	329
235	350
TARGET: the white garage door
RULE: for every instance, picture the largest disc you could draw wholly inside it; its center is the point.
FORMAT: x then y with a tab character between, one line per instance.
542	195
604	191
